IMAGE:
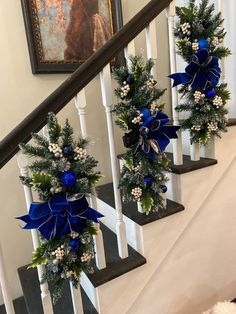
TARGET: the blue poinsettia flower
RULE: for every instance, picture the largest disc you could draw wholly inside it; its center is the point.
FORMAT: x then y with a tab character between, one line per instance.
202	71
59	216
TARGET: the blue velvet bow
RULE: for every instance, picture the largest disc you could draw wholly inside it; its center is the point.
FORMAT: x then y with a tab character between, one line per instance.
154	134
201	71
59	216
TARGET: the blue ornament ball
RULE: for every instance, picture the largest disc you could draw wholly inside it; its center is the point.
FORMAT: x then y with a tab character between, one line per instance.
68	178
146	113
68	151
148	180
163	188
210	93
74	244
203	43
130	79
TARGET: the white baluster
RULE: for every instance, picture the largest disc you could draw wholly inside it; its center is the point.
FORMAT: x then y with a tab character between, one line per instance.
223	67
140	209
177	143
164	199
45	132
151	44
106	87
129	51
75	295
195	151
221	9
208	150
22	161
76	299
81	103
5	286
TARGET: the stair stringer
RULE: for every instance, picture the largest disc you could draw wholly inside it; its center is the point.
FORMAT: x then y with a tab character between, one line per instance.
160	237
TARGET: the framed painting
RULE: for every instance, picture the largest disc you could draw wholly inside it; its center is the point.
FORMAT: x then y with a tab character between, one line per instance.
62	34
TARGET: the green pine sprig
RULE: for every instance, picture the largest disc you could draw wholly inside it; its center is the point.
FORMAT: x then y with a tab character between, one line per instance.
142	93
50	159
201	22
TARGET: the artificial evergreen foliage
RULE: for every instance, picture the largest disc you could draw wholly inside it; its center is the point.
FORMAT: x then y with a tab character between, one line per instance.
61	170
144	164
200	28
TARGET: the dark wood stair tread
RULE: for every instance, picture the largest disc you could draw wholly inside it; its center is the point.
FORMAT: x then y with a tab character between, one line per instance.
231	122
188	164
105	193
19	306
31	302
116	266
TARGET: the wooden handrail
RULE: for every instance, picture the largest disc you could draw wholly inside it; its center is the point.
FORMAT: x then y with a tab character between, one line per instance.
78	80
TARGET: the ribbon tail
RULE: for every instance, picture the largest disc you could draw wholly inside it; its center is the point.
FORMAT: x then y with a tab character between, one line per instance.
170	130
152	154
163	141
180	78
213	77
62	226
48	228
77	223
38	210
29	223
92	215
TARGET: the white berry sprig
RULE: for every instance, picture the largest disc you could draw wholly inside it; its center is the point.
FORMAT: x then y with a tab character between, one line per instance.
80	153
59	253
137	192
74	235
151	83
218	101
138	118
86	257
185	28
212	126
154	108
55	149
195	45
125	89
196	128
198	96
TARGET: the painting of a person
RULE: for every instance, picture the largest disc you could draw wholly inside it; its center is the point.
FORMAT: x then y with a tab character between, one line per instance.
87	30
71	30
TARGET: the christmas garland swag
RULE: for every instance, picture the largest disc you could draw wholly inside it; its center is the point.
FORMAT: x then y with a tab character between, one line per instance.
140	115
62	174
199	39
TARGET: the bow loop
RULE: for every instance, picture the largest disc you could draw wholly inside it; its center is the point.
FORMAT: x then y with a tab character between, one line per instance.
202	71
154	135
59	216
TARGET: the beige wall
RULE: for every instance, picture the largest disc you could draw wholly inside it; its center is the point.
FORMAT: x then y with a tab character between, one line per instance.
20	93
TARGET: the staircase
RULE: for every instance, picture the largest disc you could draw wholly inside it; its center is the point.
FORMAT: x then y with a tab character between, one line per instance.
161	246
